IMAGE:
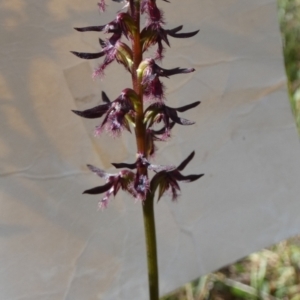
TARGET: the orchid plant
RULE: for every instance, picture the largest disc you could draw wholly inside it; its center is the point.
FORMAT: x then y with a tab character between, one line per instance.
142	109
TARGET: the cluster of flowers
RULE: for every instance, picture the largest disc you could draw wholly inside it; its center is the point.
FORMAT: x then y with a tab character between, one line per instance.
121	113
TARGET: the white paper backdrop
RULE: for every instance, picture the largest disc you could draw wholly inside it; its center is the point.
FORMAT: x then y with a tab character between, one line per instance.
54	244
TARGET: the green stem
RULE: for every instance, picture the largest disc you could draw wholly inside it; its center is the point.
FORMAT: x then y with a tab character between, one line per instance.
150	235
140	132
137	86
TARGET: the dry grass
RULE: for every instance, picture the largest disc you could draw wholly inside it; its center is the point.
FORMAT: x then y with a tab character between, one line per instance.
271	274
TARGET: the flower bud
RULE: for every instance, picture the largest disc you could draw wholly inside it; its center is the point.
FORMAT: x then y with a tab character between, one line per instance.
143	68
124	55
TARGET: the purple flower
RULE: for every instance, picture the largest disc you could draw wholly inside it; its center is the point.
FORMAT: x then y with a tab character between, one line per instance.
118	51
113	184
113	48
141	185
158	112
138	187
167	181
119	113
136	184
150	72
155	34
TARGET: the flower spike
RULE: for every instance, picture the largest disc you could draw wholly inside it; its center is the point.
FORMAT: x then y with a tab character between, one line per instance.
130	110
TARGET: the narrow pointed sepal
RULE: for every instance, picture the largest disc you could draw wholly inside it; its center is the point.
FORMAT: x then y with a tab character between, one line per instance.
186	161
99	189
88	55
124	165
105	97
174	33
167	180
187	107
188	178
102	43
92	113
90	28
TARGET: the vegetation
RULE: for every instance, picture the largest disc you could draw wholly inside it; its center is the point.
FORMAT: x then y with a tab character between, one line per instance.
271	274
289	17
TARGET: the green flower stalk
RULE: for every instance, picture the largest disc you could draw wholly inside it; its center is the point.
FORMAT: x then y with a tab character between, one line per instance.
139	109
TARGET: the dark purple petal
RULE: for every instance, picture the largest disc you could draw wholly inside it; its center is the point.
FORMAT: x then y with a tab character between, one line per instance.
105	98
174	30
115	37
90	28
99	189
186	161
124	165
88	55
181	35
188	178
170	72
93	113
189	106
